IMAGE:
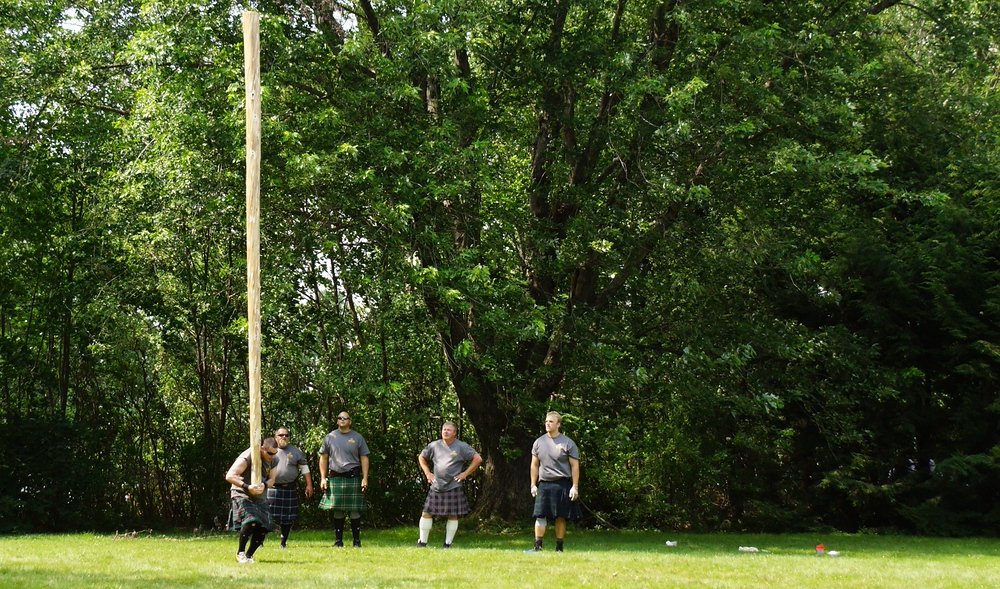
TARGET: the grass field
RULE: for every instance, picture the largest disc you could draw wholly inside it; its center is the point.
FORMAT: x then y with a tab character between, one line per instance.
592	559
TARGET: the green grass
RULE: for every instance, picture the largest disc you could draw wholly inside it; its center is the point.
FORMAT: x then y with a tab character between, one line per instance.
593	559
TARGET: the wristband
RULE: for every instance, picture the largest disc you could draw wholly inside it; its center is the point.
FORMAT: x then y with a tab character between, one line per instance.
245	487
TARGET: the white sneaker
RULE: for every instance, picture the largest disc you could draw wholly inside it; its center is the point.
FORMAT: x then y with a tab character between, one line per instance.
242	558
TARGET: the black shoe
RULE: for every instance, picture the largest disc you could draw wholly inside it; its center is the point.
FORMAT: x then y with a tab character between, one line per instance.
446	545
421	544
357	543
338	544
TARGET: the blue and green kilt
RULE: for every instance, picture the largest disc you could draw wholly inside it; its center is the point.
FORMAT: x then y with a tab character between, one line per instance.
284	505
344	494
245	509
446	502
552	501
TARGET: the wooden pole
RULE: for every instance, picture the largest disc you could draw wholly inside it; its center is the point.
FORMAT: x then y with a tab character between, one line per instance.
251	65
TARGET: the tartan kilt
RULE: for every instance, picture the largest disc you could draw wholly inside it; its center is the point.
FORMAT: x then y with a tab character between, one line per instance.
284	505
446	502
245	509
552	501
343	493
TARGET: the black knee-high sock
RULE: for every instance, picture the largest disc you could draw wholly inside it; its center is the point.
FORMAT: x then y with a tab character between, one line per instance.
356	530
338	529
286	529
259	534
245	532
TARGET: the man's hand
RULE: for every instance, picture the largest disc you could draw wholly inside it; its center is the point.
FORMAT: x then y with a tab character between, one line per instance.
364	484
322	485
256	490
309	491
534	490
573	493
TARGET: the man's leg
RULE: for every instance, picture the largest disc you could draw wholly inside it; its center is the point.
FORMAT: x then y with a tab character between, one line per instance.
560	533
286	529
539	532
426	523
259	533
338	527
450	531
356	528
246	530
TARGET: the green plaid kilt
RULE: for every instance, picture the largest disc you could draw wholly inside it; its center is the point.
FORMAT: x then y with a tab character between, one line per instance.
246	510
343	493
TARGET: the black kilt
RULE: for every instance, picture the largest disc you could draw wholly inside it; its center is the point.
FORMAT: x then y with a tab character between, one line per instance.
245	509
552	501
451	502
284	505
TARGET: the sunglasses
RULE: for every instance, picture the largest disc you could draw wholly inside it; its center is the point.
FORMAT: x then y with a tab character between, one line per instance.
342	418
281	435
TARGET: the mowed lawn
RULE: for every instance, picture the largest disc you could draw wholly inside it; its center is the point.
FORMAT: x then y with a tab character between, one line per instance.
592	559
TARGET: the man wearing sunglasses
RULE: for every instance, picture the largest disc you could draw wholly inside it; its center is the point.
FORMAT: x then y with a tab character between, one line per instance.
250	513
343	468
284	496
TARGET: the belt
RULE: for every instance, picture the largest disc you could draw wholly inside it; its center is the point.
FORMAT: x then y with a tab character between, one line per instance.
350	474
290	485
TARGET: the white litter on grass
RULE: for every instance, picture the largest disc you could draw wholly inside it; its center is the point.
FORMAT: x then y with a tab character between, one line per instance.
749	549
671	542
832	553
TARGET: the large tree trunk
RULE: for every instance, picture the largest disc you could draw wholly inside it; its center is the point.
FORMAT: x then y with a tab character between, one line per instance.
506	450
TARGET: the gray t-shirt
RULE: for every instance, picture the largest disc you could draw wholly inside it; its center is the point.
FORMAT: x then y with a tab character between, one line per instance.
345	450
553	457
265	470
289	460
447	462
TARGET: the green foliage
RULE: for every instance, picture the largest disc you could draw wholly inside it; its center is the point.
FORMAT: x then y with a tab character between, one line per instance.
748	249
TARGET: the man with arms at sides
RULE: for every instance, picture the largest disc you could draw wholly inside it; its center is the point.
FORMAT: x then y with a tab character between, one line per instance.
555	480
443	463
250	513
283	498
343	465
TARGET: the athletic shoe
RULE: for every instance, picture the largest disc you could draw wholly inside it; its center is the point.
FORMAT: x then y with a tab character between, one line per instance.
242	558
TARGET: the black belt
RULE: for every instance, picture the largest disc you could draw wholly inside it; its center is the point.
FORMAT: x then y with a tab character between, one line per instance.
351	474
290	485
